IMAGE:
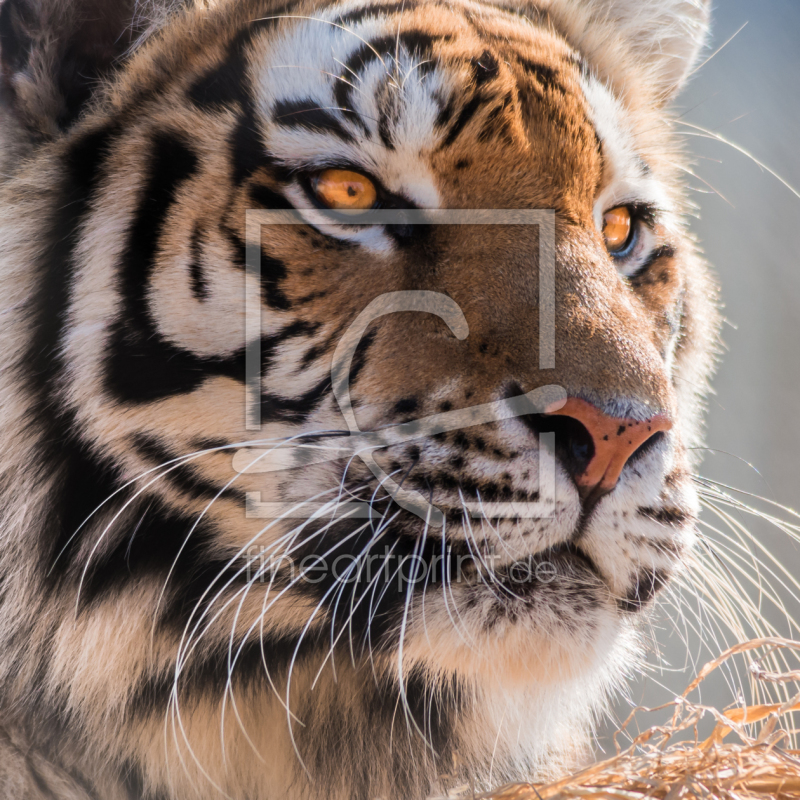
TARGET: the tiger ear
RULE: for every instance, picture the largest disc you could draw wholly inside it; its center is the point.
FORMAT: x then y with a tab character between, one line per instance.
663	38
53	53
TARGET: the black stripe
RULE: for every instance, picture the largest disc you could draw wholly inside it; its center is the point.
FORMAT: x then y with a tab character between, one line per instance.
223	85
132	779
87	485
414	41
142	366
673	517
373	619
207	669
83	479
273	273
196	272
640	277
273	270
268	198
545	76
148	368
359	14
182	476
360	356
496	124
445	114
485	68
435	708
309	115
226	86
464	116
647	586
385	121
248	151
147	543
294	409
84	162
172	164
271	344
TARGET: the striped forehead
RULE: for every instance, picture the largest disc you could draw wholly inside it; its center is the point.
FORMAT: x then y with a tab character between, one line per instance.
367	85
358	87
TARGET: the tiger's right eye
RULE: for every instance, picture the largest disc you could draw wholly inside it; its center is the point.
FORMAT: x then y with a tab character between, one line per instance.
343	189
617	225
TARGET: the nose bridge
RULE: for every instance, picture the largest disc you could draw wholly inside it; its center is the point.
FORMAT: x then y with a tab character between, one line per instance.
605	346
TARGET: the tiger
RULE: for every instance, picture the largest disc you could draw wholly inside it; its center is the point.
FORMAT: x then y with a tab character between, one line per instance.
407	285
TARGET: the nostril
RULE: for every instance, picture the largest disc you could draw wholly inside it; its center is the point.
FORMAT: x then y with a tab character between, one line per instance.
647	446
574	445
613	443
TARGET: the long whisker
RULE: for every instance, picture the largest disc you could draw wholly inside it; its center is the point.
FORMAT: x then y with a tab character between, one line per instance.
704	133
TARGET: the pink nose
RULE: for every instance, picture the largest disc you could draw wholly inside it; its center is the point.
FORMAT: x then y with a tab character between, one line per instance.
614	441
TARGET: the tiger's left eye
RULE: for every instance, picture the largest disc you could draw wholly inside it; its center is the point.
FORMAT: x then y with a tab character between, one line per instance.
343	189
617	226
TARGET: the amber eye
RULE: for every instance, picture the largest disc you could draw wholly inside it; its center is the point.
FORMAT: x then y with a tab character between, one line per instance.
617	229
343	189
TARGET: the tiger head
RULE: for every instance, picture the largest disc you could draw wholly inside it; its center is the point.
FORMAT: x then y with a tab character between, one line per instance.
354	357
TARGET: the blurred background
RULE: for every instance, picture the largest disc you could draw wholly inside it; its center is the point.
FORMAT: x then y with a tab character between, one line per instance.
749	226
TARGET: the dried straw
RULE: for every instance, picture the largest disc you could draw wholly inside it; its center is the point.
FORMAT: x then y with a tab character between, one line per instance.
748	754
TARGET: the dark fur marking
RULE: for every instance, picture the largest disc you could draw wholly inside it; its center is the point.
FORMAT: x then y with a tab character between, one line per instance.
88	482
294	409
248	153
485	68
639	278
673	517
149	543
359	14
272	270
223	85
445	114
647	586
372	618
142	366
496	124
414	41
183	476
360	356
546	77
408	405
309	115
203	673
268	198
311	355
84	161
273	273
196	273
149	369
464	116
385	129
87	479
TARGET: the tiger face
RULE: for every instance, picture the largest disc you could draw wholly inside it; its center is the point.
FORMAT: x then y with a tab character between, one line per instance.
211	571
